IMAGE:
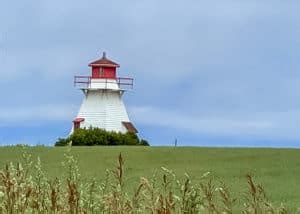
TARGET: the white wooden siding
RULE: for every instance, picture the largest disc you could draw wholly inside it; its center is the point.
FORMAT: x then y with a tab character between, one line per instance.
103	109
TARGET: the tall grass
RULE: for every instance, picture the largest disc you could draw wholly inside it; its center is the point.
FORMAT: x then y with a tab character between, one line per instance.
25	188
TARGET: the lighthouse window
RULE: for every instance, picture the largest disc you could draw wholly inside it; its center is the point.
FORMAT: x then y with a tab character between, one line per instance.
101	72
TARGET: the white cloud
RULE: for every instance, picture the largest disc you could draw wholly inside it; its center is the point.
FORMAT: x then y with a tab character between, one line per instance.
269	125
30	115
236	62
264	125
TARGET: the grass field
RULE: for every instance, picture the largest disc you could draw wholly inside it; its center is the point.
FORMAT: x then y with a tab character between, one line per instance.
277	169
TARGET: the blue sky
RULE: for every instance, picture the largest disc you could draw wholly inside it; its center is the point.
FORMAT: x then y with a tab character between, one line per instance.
214	73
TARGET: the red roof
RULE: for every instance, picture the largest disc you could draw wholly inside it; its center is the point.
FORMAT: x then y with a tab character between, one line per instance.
130	127
104	62
78	120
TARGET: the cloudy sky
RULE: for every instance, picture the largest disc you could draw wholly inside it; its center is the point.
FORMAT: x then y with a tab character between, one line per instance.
213	73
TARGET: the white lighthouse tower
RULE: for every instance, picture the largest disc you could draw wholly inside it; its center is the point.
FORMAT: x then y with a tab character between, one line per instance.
102	106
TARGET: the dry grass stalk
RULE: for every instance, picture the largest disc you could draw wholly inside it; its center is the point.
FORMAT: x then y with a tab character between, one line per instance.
23	191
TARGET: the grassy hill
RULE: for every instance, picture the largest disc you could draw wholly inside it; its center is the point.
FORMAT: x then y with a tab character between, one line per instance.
277	169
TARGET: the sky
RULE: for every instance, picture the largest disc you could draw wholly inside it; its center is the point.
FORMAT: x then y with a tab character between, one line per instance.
207	73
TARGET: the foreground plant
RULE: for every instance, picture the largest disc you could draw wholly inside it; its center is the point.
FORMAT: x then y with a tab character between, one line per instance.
23	190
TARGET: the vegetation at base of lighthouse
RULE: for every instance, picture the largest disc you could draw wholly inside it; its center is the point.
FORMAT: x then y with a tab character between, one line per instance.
100	137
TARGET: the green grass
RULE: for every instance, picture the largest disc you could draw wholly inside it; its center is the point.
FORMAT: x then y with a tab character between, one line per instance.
277	169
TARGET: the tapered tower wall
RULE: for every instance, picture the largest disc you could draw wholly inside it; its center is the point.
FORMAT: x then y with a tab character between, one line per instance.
103	109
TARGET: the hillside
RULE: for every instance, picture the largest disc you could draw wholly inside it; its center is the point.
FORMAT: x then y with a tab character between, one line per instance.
277	169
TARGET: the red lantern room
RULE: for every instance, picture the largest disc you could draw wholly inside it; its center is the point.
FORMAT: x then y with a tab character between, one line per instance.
104	68
104	76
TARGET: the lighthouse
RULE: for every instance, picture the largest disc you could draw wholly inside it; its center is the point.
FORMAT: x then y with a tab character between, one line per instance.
102	105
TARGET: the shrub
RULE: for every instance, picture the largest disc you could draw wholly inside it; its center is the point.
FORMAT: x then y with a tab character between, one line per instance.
62	142
96	136
144	142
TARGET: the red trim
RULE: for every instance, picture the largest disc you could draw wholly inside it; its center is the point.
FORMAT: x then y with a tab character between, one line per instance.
130	127
104	65
76	123
78	120
103	62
